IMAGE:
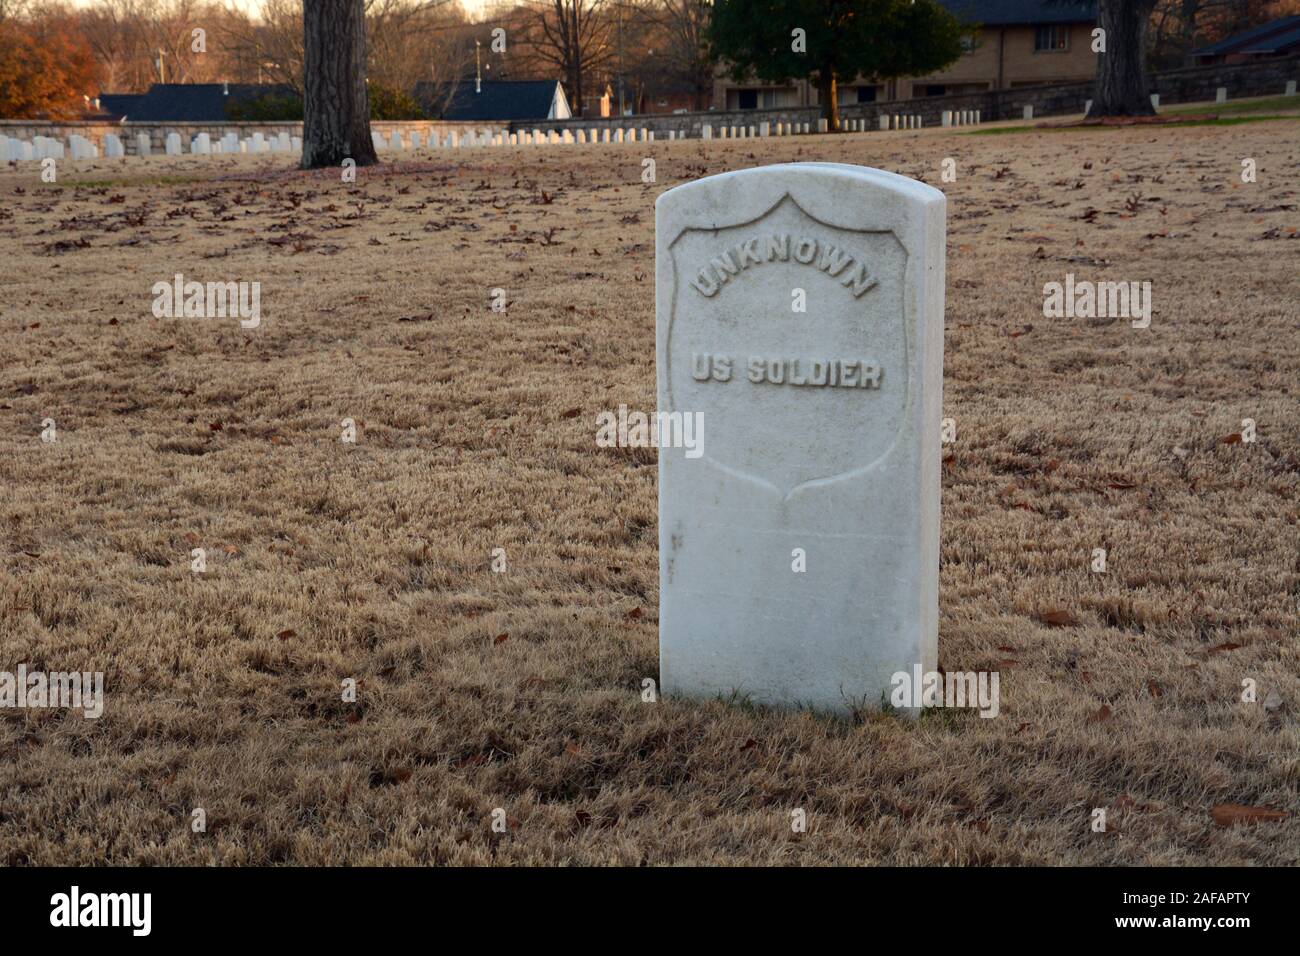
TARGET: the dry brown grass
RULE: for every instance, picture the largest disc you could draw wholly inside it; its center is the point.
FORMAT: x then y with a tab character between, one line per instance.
372	561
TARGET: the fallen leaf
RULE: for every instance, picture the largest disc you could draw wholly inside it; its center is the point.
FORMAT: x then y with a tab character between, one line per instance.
1233	439
287	633
1231	814
501	638
1057	618
388	778
1101	716
571	413
1154	689
1220	648
634	614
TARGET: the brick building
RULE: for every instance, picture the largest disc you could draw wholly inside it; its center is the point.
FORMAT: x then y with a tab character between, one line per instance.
1017	43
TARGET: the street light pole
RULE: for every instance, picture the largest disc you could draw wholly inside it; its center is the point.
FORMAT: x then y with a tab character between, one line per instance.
620	60
577	57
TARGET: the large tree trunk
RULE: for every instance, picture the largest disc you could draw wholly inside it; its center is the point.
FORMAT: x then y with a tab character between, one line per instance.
828	95
1121	88
336	110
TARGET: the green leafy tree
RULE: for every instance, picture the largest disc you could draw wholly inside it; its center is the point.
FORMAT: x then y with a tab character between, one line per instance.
825	41
387	103
264	109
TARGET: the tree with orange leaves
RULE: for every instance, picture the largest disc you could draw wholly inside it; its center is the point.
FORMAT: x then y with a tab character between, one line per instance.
46	68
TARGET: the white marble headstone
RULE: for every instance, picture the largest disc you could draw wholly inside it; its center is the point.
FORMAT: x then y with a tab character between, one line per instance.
799	538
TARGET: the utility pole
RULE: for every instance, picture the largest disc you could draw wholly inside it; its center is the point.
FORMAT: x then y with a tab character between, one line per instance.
577	58
620	60
478	69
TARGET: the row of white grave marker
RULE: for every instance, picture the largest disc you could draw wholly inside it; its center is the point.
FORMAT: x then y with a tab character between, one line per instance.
78	147
203	144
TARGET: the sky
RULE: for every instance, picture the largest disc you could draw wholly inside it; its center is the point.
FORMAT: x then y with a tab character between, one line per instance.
472	7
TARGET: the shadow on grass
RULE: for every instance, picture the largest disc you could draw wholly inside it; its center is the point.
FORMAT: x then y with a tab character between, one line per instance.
1096	127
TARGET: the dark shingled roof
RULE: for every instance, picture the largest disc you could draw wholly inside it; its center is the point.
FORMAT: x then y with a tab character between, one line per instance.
1277	36
498	100
1000	13
119	104
186	102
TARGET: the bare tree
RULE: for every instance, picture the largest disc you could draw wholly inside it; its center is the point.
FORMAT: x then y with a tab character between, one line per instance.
409	40
685	24
1180	26
573	36
271	50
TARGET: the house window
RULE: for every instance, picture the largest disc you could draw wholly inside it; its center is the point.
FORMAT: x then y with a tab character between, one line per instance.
935	89
1053	39
748	100
866	94
968	44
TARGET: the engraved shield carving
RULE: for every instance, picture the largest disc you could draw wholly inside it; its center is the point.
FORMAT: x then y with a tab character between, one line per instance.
812	396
